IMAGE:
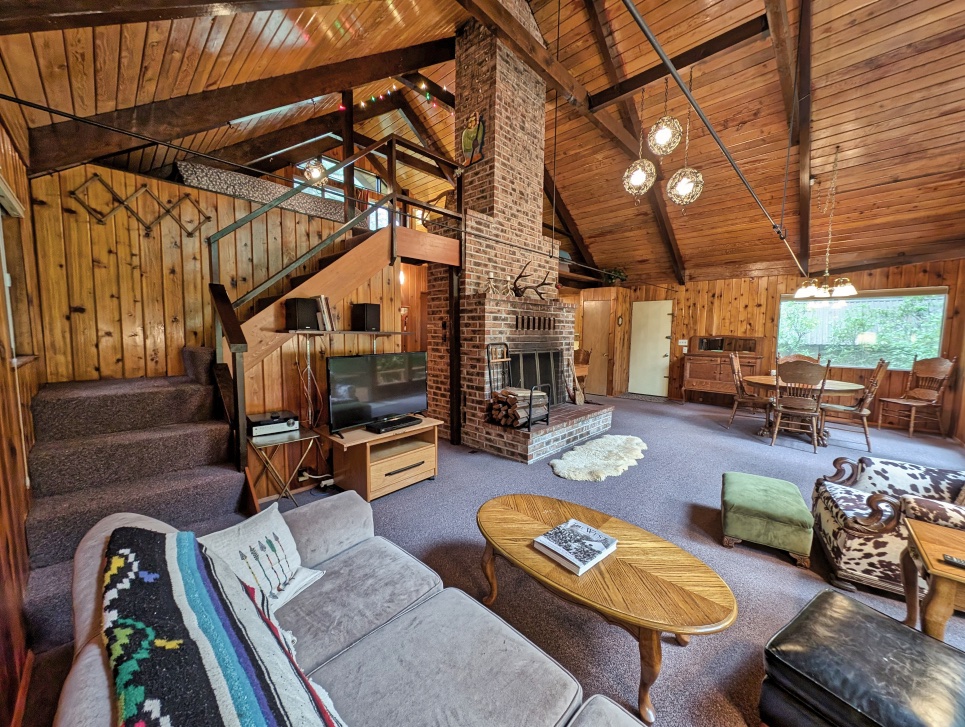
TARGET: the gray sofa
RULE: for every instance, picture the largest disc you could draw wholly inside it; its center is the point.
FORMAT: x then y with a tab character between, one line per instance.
378	631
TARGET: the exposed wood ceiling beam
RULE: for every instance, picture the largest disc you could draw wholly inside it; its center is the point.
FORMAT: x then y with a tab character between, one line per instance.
30	16
606	45
425	135
510	31
550	190
422	85
666	232
401	157
780	27
69	143
804	134
630	86
290	144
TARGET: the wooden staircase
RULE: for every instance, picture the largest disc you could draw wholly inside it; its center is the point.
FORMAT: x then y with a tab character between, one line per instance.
265	331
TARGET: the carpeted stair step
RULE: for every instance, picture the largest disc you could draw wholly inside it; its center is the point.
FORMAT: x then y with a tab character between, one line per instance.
180	498
89	463
82	408
198	361
47	607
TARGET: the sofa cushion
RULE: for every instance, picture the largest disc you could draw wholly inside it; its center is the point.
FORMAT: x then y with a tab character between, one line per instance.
891	477
449	661
87	697
262	553
600	711
362	589
855	666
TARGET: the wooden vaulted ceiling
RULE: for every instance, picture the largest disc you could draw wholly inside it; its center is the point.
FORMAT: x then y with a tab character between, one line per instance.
886	87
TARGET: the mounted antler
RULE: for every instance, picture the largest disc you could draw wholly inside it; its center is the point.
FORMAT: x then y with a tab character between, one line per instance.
520	290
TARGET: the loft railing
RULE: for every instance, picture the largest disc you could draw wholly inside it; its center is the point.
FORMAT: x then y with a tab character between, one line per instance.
226	323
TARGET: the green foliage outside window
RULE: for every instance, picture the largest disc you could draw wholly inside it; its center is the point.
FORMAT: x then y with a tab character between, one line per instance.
856	332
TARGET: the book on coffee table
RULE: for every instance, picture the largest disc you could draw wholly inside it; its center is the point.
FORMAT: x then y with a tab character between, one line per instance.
575	545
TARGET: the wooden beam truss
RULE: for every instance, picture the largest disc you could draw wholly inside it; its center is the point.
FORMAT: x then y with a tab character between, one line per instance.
70	143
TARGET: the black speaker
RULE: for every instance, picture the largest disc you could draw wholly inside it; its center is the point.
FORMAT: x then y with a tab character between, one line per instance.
301	314
366	317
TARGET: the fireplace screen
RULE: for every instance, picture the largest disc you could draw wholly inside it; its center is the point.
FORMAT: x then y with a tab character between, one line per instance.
538	368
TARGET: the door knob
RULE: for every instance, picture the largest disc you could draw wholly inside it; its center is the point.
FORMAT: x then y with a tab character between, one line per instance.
666	355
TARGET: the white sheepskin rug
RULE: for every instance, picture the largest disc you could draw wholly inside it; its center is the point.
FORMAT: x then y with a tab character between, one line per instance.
594	461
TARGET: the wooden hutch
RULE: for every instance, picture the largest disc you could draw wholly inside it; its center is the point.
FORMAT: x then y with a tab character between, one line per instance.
707	362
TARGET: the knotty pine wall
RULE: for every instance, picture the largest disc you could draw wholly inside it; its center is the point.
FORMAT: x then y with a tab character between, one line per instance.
15	383
118	303
749	307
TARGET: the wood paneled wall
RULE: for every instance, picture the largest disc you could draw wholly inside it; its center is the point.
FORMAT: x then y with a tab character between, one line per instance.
119	303
13	476
621	303
749	306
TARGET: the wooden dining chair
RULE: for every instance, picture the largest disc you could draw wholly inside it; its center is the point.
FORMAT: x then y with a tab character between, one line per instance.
797	407
743	397
798	357
581	357
923	394
862	409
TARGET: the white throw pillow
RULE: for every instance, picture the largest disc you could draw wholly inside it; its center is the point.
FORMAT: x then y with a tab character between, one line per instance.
262	552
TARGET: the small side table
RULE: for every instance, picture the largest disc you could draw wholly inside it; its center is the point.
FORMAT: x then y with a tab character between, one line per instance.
947	583
266	447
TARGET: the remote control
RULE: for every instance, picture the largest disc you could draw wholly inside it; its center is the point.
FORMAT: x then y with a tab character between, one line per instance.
952	560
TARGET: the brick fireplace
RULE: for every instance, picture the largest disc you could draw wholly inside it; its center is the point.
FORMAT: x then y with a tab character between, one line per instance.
503	202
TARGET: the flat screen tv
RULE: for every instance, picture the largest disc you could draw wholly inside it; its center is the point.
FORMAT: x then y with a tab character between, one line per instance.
365	389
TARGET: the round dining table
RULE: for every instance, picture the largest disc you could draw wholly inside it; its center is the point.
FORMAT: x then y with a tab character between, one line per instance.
832	388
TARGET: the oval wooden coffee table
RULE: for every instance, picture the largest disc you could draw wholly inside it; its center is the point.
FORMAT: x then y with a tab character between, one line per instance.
647	586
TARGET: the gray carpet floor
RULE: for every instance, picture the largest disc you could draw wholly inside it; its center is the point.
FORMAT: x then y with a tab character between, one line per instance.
674	492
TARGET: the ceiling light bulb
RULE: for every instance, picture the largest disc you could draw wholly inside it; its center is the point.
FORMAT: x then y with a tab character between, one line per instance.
639	178
314	170
685	186
665	135
822	292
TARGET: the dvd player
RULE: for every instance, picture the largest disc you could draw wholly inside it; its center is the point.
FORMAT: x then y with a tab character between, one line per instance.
387	425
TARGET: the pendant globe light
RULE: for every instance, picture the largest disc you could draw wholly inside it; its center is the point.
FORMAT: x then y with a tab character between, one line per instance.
641	175
314	170
665	134
685	186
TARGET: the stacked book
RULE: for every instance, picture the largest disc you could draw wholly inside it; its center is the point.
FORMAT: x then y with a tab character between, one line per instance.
326	321
576	545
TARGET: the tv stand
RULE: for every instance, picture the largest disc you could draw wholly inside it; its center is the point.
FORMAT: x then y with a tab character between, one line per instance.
377	464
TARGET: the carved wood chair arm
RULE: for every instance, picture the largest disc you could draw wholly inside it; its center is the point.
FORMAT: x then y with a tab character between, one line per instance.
845	472
884	515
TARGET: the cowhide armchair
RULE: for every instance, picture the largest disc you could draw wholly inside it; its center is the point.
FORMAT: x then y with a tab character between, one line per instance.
860	511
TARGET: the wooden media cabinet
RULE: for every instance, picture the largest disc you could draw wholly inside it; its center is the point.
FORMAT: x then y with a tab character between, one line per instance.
376	464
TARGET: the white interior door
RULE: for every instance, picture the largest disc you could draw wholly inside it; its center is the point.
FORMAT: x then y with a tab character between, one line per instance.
650	347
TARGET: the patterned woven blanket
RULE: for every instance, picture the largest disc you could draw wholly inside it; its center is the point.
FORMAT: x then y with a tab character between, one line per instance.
189	645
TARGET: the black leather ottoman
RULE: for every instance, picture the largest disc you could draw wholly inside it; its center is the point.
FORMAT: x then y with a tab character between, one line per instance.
840	662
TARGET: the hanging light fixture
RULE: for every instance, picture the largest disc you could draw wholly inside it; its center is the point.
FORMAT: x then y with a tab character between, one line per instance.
841	287
641	175
685	186
314	170
665	134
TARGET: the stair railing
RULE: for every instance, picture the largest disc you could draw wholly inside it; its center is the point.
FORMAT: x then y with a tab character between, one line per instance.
226	323
231	385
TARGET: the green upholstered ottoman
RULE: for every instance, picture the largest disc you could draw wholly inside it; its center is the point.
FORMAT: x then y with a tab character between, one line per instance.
766	511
